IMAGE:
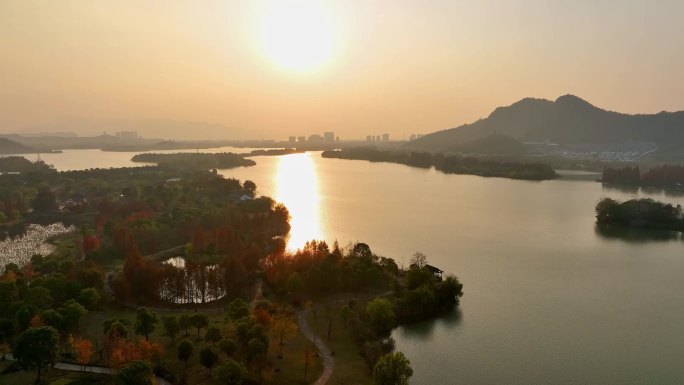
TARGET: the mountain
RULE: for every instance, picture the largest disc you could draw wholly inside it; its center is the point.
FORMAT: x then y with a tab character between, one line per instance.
11	147
494	144
567	120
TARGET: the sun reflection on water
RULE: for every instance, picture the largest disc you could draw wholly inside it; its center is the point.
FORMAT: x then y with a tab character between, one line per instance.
297	188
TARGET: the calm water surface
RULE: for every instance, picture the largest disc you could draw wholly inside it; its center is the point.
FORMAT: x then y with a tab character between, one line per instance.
548	299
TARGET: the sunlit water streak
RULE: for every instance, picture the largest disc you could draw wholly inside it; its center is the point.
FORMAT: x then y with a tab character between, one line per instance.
296	186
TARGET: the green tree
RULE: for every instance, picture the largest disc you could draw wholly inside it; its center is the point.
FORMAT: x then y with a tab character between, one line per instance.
237	309
115	327
213	335
227	346
71	313
256	348
231	373
89	298
199	320
145	321
39	296
136	373
392	369
45	201
208	358
184	322
185	349
381	315
36	348
295	285
171	327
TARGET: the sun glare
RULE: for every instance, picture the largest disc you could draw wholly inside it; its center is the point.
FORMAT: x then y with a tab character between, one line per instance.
297	188
298	35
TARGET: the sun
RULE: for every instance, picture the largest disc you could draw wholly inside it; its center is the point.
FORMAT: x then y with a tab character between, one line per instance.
298	35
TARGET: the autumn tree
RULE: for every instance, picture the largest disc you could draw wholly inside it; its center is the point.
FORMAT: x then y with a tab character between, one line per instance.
36	348
84	351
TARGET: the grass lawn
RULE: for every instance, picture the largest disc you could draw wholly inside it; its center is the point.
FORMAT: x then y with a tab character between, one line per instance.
350	367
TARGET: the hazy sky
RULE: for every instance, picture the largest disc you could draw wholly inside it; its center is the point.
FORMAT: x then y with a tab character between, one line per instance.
366	66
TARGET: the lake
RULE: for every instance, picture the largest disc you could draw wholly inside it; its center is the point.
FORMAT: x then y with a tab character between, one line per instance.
548	298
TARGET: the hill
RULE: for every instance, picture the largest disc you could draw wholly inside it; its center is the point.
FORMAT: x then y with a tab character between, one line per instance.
11	147
494	144
567	120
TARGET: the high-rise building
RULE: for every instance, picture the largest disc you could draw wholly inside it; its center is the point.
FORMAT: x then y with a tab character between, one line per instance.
292	139
315	138
369	138
385	137
301	139
329	137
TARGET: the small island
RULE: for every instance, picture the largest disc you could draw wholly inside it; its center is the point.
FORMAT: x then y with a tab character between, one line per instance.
640	213
450	164
193	160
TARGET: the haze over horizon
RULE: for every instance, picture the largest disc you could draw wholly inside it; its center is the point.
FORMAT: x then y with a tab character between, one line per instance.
277	68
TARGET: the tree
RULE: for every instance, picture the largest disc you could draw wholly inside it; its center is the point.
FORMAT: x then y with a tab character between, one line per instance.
71	313
419	260
227	346
231	373
256	348
208	358
295	285
249	186
36	348
185	349
45	201
171	327
199	320
213	335
89	298
84	351
237	309
115	328
145	321
184	322
136	373
346	313
381	315
392	369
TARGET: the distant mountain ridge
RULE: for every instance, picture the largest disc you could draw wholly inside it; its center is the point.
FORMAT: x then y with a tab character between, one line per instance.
11	147
567	120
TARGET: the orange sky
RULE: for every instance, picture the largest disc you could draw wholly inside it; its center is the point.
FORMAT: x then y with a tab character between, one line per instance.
399	66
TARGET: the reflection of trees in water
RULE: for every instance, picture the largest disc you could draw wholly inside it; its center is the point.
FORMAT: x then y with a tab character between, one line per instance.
627	189
190	283
635	190
425	329
628	234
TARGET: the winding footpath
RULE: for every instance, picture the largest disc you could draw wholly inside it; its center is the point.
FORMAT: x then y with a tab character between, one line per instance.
69	367
328	359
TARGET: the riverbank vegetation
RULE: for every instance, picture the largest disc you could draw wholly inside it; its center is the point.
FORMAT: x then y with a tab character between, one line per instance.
665	176
450	164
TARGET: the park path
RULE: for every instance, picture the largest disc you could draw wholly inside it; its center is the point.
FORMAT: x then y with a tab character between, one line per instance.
328	359
89	369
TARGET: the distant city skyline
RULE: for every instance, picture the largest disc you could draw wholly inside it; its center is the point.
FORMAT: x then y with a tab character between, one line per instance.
271	69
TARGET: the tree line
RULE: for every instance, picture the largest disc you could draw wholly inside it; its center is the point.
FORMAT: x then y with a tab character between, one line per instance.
450	164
